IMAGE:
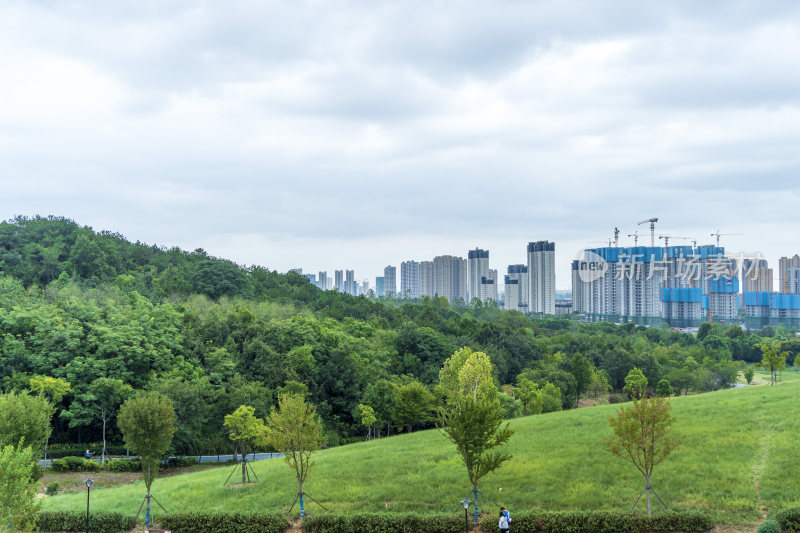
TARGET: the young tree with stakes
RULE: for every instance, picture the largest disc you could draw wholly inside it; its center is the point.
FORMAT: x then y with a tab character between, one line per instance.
247	431
293	428
642	436
472	416
147	422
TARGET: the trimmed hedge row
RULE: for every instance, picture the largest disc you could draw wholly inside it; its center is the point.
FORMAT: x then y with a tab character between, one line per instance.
99	522
79	464
57	451
789	519
224	522
384	523
602	522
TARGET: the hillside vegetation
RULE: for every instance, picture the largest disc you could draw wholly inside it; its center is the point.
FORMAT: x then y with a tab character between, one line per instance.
739	453
81	306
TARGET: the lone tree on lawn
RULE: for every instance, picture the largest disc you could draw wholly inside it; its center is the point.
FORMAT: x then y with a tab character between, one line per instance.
247	431
147	422
773	360
293	428
642	436
472	416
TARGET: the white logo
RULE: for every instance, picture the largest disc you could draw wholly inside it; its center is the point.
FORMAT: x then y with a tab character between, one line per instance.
591	266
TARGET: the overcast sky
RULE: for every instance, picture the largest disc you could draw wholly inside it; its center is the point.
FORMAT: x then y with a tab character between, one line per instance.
331	135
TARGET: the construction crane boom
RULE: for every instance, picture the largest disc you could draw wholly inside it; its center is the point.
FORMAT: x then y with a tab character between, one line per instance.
652	222
635	236
718	235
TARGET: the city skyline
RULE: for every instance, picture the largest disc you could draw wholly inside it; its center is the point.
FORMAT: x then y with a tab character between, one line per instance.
302	134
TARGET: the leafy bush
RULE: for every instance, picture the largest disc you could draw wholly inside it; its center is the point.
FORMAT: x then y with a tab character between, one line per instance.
769	526
789	519
385	523
123	465
174	462
52	488
603	522
224	522
74	464
99	522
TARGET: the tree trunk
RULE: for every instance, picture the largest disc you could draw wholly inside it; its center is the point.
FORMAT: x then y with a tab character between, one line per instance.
244	465
647	488
103	455
300	496
476	514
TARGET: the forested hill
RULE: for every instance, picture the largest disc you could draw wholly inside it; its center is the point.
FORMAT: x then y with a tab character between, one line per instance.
212	335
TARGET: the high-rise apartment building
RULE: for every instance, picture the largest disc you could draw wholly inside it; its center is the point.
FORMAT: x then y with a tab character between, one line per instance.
338	283
542	277
322	279
756	276
409	279
516	287
350	282
390	280
379	286
426	278
784	264
646	285
477	270
793	279
450	278
489	286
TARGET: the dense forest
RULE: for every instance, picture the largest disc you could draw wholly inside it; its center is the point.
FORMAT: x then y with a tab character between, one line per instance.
84	306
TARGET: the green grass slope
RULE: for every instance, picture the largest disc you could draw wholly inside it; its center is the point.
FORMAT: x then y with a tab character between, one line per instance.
739	453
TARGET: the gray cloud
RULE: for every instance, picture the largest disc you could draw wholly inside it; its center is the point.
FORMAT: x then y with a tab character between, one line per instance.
366	133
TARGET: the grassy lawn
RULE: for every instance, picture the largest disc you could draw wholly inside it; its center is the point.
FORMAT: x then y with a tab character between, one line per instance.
559	464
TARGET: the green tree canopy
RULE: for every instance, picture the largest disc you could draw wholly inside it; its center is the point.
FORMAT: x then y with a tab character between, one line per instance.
635	384
25	418
18	505
147	422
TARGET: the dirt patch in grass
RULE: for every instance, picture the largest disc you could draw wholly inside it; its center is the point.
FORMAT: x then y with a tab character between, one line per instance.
74	481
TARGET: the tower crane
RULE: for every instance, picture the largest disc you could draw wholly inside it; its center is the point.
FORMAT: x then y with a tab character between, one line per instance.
635	236
718	235
668	237
652	222
616	236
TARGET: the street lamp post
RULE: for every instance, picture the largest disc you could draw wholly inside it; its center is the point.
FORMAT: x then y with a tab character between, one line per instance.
465	504
88	482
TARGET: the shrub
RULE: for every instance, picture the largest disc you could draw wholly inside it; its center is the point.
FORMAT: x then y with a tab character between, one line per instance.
52	488
99	522
769	526
123	465
74	464
603	522
789	519
224	522
385	523
58	465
